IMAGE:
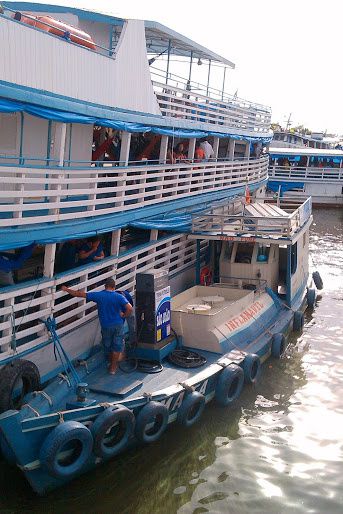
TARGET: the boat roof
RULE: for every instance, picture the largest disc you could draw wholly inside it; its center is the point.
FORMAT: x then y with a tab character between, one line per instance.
316	152
257	222
157	35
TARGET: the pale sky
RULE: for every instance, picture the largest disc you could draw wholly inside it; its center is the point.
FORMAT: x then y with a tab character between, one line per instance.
288	54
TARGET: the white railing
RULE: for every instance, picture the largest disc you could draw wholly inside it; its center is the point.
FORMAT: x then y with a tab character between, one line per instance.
303	173
24	306
229	224
189	105
37	195
179	82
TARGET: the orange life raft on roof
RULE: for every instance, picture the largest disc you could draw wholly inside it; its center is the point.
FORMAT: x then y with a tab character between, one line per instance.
58	28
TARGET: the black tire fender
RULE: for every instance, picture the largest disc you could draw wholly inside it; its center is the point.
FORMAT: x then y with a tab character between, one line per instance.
10	376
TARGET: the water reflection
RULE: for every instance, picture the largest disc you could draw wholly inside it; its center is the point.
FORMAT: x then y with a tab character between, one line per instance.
279	451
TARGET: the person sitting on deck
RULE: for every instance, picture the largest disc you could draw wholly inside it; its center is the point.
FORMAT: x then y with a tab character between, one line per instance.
91	251
113	308
10	262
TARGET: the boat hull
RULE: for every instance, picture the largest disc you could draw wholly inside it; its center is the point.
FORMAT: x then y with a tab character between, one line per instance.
22	433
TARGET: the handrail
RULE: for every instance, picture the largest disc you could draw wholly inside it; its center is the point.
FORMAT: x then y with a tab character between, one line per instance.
201	87
306	172
31	302
55	194
226	223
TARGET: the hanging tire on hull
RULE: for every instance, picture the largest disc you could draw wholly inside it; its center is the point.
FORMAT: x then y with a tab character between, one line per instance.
278	345
317	279
17	379
298	321
191	409
251	368
151	422
311	297
112	430
229	385
66	450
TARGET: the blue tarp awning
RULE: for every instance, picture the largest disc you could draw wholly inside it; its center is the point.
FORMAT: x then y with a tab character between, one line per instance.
274	185
9	106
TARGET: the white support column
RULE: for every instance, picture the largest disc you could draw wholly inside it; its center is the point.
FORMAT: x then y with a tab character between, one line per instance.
247	150
191	151
59	149
153	234
152	251
215	147
163	149
49	260
49	266
62	143
115	242
231	149
123	161
191	148
125	148
162	160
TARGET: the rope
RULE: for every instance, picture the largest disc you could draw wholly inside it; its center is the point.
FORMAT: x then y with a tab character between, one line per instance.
233	344
50	324
60	417
186	387
36	413
186	359
45	395
65	378
148	397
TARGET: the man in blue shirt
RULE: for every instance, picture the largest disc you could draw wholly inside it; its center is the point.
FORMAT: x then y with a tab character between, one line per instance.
113	308
91	251
10	262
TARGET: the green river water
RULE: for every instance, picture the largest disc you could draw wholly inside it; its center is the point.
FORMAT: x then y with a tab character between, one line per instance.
279	451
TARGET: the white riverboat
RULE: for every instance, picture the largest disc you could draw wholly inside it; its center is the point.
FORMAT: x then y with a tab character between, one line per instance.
167	178
301	172
88	126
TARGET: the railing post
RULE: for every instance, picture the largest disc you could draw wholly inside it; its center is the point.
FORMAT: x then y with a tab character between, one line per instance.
124	161
48	271
115	245
231	149
162	160
59	148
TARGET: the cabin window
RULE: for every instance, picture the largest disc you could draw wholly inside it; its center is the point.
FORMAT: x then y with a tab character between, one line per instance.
23	268
294	258
263	253
244	253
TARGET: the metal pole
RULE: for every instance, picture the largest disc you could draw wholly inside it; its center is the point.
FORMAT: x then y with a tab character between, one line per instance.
223	83
190	68
198	262
168	60
208	76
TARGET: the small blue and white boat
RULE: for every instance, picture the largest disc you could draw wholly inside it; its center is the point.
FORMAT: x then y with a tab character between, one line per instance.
304	171
206	342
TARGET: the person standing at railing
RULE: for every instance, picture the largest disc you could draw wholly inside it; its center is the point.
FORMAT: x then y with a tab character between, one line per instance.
207	148
113	308
10	262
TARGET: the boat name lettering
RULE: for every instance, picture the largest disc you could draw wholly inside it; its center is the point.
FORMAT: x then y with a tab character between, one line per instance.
174	402
245	316
239	239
